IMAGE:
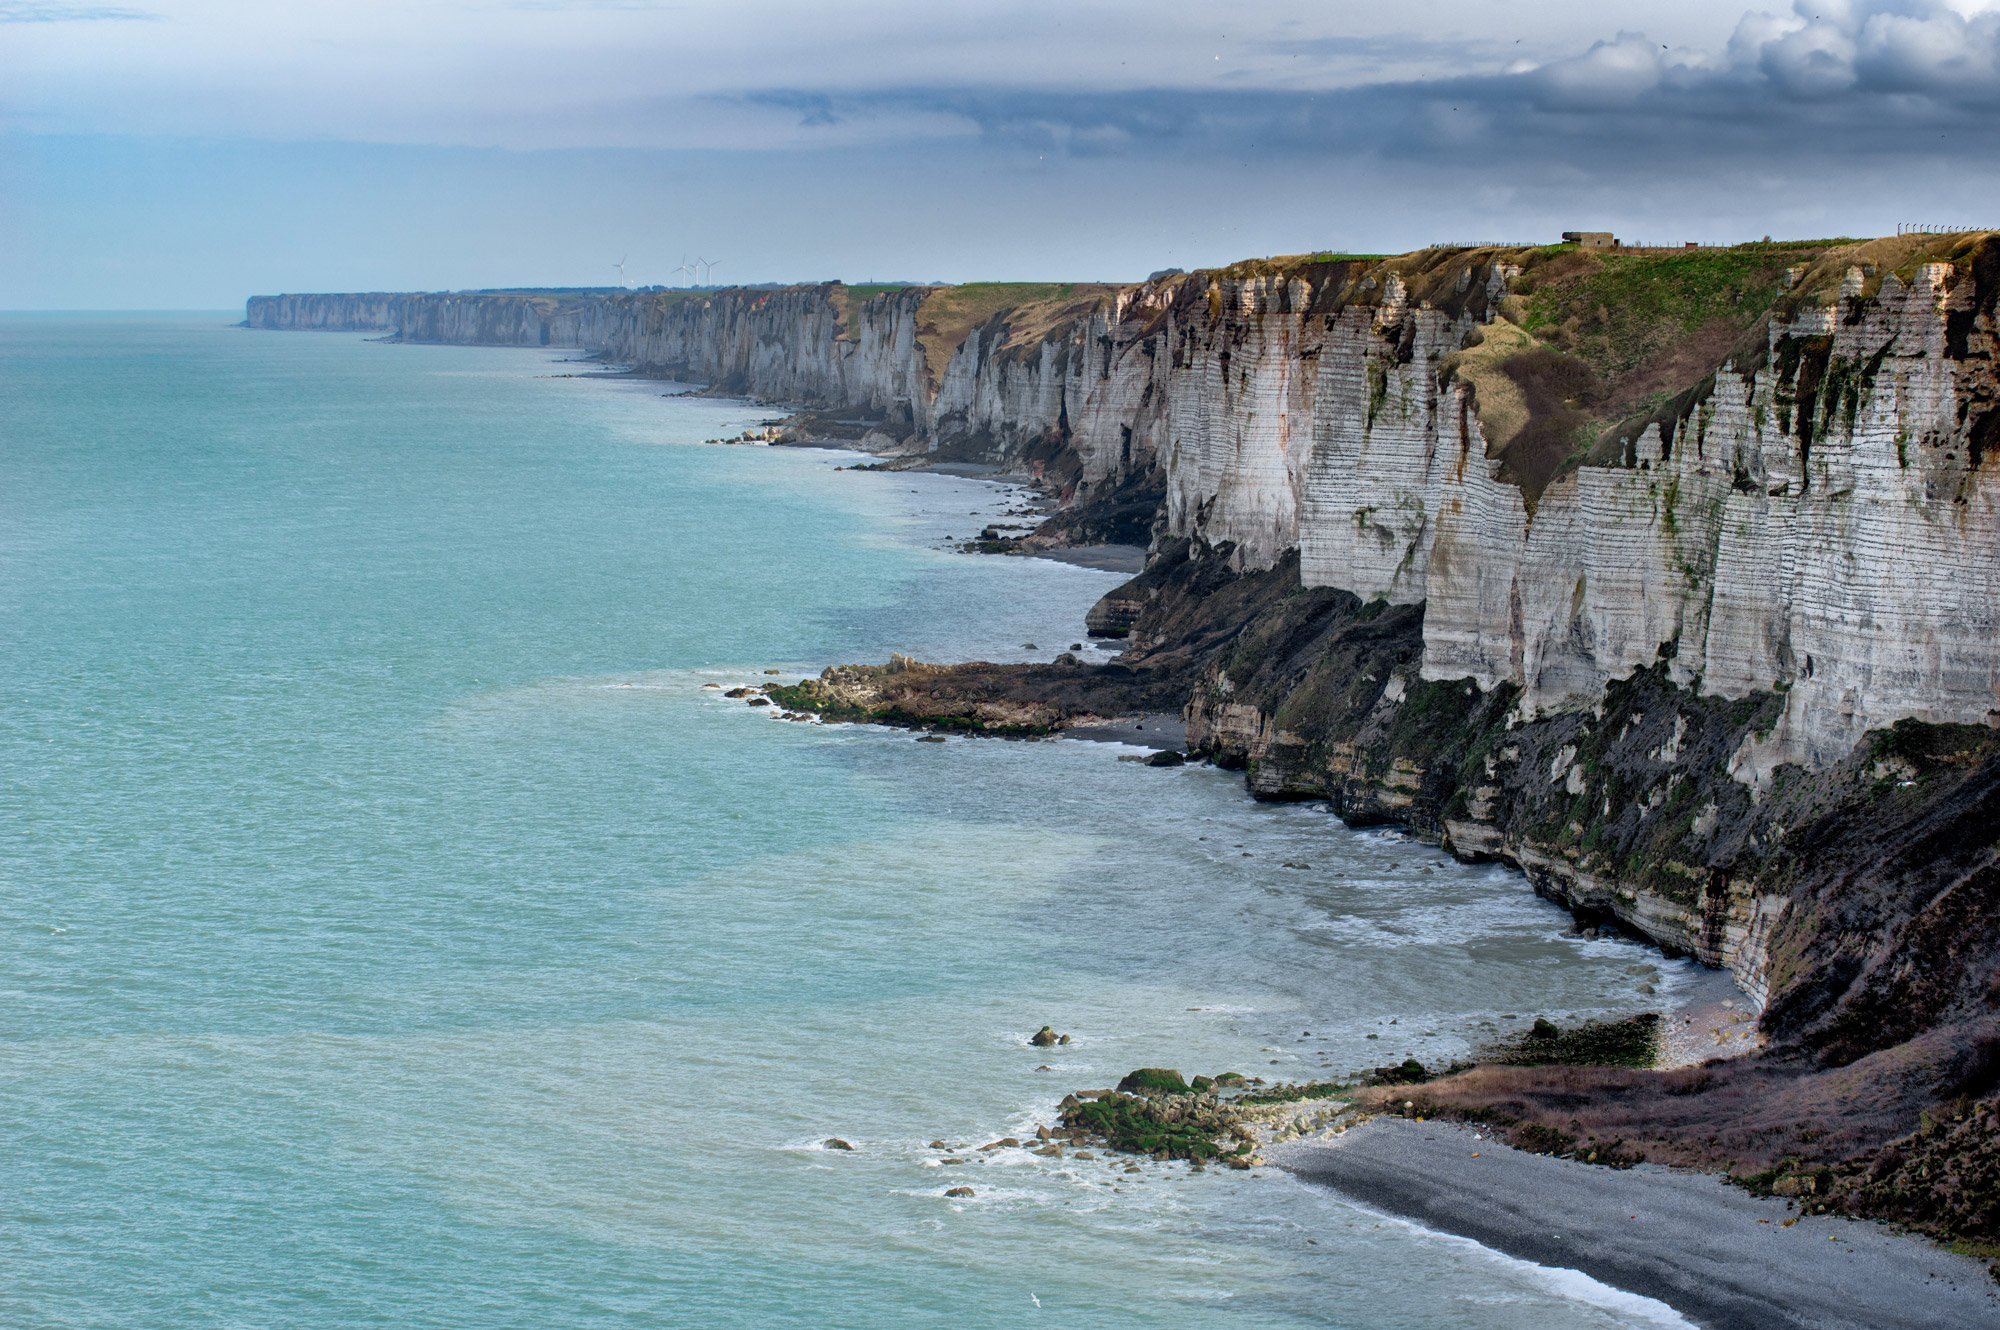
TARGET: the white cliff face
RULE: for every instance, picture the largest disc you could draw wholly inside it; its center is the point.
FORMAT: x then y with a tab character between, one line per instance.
1373	480
372	312
1240	416
1887	537
1851	560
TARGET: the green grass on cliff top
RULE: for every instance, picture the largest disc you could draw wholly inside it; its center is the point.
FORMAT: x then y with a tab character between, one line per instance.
869	290
1033	308
1615	312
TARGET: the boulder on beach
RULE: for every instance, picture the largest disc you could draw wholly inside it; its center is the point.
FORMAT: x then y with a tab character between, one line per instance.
960	1191
835	1143
1167	757
1046	1037
1408	1072
1154	1080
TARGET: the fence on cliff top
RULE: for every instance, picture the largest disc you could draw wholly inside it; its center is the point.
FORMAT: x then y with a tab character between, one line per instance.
1622	247
1654	247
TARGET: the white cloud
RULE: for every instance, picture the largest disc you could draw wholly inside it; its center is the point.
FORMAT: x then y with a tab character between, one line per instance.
1829	48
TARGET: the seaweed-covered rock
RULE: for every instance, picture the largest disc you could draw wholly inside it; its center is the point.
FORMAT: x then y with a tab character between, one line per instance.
1153	1080
1183	1126
1408	1072
1633	1041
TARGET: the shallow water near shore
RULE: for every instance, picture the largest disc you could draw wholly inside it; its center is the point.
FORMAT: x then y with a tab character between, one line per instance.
401	933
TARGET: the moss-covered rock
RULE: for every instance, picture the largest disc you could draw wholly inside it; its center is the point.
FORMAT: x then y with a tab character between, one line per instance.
1153	1080
1633	1041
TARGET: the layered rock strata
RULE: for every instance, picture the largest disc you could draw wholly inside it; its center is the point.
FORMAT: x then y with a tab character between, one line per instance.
1819	525
1793	545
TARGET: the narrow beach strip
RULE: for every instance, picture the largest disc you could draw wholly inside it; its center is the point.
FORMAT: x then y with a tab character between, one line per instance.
1712	1252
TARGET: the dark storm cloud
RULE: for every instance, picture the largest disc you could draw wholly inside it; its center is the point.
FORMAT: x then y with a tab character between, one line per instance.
1857	82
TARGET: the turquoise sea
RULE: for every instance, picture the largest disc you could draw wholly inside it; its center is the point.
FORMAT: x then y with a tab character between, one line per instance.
398	934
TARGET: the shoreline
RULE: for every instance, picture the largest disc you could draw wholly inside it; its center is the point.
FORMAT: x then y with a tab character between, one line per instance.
1691	1258
1712	1252
1703	1033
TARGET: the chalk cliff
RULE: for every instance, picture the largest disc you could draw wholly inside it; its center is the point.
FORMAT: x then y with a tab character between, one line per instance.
1654	529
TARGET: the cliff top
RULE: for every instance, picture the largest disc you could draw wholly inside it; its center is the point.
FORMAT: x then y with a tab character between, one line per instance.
1570	351
1029	311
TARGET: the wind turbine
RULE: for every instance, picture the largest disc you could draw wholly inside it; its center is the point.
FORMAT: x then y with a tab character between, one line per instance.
686	269
620	266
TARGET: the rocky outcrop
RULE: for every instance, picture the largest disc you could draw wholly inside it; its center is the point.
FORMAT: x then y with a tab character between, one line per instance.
1013	701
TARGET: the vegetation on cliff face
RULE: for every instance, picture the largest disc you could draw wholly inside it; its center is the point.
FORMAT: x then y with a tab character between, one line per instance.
1023	312
848	300
1617	335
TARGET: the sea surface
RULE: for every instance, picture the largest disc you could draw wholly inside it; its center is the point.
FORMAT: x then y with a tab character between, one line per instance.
399	933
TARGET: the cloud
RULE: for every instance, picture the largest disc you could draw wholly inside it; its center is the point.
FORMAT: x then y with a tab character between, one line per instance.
1871	80
42	11
1156	136
1823	51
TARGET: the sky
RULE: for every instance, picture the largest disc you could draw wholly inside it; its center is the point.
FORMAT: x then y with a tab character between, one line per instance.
189	153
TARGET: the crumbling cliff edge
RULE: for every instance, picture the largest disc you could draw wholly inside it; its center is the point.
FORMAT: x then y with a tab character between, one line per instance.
1673	579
